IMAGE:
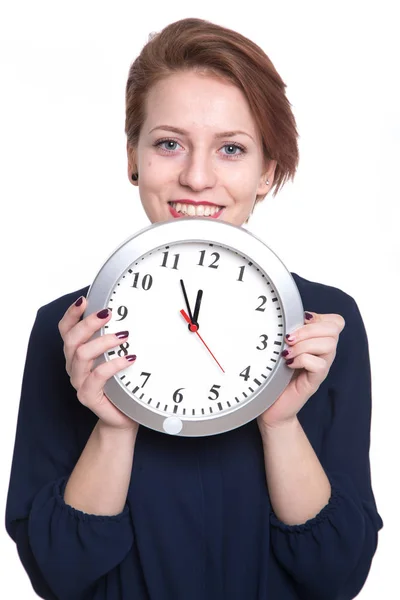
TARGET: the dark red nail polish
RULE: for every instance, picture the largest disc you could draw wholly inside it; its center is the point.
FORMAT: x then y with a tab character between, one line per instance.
289	361
103	314
122	334
285	352
308	315
79	301
289	337
130	357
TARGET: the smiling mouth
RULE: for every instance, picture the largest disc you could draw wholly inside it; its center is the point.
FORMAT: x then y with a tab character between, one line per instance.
179	209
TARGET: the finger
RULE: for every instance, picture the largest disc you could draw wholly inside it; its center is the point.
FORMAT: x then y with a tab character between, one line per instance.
319	329
310	317
313	364
85	354
91	393
316	346
72	315
82	332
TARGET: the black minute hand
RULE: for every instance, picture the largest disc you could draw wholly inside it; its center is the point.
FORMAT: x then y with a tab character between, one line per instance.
197	308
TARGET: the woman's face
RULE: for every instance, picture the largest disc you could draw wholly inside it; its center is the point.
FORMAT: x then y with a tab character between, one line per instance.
188	162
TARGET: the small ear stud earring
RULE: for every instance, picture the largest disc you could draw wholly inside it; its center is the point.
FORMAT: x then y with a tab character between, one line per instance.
135	176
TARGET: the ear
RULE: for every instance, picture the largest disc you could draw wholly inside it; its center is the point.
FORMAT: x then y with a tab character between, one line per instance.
131	156
267	175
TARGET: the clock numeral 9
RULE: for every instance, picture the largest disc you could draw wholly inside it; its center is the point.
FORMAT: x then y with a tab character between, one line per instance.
122	311
178	397
264	342
214	390
147	281
213	265
123	349
263	302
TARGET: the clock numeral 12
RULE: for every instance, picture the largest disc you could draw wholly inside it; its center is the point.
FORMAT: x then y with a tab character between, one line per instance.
213	265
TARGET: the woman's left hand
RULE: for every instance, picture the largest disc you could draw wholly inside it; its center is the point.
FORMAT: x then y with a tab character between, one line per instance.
313	348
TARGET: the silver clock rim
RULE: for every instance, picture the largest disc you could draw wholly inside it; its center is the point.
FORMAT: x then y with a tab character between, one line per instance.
203	230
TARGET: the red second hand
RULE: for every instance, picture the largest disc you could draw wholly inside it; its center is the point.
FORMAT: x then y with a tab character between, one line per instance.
192	326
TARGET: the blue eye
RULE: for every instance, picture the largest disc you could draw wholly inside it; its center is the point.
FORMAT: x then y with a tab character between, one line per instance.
160	143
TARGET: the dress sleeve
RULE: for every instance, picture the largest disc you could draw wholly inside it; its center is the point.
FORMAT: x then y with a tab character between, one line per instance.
329	556
64	551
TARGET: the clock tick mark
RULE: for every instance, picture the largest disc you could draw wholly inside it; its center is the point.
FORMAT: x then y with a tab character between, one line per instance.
136	389
202	411
128	383
251	389
257	382
122	377
175	409
237	399
111	353
141	396
278	343
269	368
158	404
149	400
244	394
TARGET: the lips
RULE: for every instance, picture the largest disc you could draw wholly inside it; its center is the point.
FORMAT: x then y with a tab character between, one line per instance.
177	214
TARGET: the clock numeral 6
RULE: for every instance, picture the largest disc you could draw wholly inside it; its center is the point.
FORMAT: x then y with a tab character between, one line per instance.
123	349
264	342
178	397
214	390
147	281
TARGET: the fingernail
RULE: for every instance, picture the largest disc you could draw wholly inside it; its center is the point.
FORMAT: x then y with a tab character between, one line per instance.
289	337
289	361
308	315
285	352
130	357
79	301
122	334
103	314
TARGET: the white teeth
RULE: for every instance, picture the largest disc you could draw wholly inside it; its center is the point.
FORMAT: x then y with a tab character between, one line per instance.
199	210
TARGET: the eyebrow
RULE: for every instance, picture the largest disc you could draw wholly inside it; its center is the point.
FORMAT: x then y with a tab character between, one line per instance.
184	132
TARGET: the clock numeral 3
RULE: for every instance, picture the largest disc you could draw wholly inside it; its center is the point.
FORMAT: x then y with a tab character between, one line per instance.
264	342
123	349
214	390
178	397
263	302
213	265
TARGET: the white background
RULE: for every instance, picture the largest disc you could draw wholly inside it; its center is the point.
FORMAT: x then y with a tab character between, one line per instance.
66	201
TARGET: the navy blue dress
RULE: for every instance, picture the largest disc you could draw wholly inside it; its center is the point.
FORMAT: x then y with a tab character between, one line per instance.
198	523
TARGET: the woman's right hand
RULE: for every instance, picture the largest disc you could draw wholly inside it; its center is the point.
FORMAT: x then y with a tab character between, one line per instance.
80	355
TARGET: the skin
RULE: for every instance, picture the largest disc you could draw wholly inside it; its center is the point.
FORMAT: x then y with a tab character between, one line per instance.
201	167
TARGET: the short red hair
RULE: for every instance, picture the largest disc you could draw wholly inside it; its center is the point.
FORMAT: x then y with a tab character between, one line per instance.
199	45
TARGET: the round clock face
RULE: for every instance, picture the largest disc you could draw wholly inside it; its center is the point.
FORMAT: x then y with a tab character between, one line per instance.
207	325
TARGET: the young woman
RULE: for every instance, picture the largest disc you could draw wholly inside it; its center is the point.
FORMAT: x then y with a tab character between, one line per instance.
280	508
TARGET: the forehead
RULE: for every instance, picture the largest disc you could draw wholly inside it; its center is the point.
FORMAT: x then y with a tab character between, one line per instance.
193	100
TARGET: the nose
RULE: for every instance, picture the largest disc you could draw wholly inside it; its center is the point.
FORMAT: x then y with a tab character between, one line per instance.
198	173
